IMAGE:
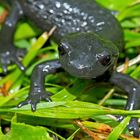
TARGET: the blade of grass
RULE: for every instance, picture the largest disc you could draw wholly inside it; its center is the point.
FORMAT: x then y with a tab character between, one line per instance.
71	108
114	135
6	99
128	12
136	72
71	137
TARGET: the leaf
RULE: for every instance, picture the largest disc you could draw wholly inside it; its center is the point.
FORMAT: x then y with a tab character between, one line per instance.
21	131
116	4
24	31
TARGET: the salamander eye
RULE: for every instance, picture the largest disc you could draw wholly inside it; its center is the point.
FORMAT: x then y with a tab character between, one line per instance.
61	49
104	59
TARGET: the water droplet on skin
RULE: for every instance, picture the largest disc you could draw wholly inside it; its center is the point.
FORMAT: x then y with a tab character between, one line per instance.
42	6
51	11
134	89
85	16
75	10
82	13
65	12
84	24
8	23
131	106
46	68
45	17
66	5
58	4
77	29
70	9
100	23
63	21
91	19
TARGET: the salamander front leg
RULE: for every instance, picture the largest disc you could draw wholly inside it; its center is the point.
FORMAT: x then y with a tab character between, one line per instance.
132	87
8	53
37	91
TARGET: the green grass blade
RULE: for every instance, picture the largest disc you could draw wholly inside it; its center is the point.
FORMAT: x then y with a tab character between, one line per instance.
114	135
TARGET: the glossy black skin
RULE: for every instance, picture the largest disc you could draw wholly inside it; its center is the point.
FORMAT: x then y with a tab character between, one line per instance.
89	39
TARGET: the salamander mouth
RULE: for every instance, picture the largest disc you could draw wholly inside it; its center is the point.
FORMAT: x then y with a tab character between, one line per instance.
84	72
